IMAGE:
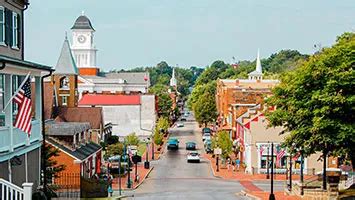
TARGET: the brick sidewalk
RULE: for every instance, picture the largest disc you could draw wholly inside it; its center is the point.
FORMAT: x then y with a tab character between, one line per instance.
142	173
246	180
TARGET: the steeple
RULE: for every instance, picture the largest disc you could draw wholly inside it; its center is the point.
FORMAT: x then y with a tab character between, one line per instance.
173	82
258	63
257	74
66	63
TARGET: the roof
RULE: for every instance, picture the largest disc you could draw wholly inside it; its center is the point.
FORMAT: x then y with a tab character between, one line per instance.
83	22
66	128
109	99
80	153
66	63
121	77
93	115
23	63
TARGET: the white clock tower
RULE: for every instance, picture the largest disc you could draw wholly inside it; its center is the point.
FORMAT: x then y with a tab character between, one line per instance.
83	47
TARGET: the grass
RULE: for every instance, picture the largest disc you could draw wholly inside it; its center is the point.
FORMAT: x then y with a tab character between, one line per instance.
141	148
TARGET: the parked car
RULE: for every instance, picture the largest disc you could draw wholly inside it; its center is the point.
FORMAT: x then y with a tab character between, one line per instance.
208	146
206	136
190	146
179	124
173	143
183	119
193	156
206	130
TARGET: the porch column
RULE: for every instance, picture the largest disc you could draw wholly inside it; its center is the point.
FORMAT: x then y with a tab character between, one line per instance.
74	140
38	99
9	109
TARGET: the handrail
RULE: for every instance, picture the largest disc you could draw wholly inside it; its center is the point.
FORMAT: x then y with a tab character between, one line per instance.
11	185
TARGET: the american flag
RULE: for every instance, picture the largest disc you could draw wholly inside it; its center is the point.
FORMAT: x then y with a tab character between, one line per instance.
23	100
280	154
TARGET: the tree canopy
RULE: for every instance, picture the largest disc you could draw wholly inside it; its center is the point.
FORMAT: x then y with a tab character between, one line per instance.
316	102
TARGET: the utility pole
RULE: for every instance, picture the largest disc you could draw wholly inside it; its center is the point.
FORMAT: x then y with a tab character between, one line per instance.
301	175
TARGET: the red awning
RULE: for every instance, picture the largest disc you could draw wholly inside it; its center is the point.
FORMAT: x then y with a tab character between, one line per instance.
109	99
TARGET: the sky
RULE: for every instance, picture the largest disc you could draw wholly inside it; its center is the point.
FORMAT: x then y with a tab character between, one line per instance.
135	33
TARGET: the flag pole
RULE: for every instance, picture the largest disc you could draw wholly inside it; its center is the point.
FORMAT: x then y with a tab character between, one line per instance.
23	82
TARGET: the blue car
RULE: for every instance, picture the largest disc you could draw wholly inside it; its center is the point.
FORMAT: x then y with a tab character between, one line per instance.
190	146
173	143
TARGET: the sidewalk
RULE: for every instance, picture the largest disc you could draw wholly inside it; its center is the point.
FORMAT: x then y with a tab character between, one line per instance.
246	180
142	173
241	176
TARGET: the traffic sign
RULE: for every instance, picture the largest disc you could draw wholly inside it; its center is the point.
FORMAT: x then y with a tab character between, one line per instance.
218	151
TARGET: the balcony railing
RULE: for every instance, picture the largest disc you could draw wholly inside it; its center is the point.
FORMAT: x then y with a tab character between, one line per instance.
19	137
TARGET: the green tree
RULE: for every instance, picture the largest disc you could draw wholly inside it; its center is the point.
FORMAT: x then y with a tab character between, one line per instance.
53	168
157	137
163	123
164	101
223	141
205	109
316	102
132	139
114	150
199	91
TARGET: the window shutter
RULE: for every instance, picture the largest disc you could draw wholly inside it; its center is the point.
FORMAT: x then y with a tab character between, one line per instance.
19	29
8	27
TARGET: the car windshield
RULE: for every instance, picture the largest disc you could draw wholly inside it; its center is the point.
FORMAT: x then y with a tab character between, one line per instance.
206	130
207	134
194	154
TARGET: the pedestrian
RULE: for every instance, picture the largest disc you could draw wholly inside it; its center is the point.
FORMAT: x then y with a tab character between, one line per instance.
237	163
233	166
228	163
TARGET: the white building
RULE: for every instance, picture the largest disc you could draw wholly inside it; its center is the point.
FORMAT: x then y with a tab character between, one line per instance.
127	113
90	78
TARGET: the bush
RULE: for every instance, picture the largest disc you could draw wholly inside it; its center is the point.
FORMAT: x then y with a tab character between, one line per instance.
114	149
158	138
132	139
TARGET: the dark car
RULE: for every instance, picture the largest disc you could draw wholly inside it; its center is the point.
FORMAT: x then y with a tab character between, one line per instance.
183	119
190	146
173	143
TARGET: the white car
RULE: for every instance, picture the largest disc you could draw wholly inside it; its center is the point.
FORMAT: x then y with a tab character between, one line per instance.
193	156
206	136
179	124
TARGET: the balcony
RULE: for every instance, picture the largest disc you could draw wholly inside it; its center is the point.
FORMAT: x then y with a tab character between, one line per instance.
19	138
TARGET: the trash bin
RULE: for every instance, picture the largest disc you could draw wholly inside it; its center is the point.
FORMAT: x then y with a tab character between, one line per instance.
146	165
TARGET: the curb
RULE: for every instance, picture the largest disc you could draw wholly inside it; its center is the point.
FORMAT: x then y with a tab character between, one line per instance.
150	170
245	193
213	172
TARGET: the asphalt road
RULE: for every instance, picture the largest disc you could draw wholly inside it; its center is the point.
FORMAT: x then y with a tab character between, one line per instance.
174	178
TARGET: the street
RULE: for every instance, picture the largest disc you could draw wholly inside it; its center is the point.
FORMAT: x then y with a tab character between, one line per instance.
174	178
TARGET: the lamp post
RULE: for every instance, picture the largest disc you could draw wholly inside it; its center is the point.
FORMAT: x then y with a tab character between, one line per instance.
119	176
290	183
272	196
146	163
301	175
267	161
128	166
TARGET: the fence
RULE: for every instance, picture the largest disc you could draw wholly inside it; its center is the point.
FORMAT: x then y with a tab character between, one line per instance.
73	185
10	191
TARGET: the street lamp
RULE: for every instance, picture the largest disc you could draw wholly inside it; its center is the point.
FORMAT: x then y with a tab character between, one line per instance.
146	163
301	175
128	166
267	160
272	196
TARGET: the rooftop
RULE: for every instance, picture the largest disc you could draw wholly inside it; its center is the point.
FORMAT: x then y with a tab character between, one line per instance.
109	99
120	77
83	22
66	63
66	128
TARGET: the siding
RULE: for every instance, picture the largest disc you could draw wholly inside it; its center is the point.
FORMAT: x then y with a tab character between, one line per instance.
6	50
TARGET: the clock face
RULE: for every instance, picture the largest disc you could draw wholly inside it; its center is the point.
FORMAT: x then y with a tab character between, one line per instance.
81	39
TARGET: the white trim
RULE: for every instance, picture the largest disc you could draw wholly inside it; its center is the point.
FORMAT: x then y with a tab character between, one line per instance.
15	32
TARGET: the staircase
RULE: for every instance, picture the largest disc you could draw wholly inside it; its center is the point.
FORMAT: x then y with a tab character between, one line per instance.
10	191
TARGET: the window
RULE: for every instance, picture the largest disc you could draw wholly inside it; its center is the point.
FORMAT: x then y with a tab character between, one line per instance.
15	29
2	25
64	100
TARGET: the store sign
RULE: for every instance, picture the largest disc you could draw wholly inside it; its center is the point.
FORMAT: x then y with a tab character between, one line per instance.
218	151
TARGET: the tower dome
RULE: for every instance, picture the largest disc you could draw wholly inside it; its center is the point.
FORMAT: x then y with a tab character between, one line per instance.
83	22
